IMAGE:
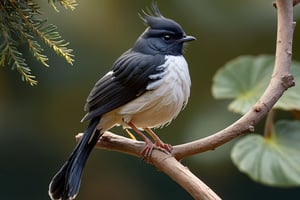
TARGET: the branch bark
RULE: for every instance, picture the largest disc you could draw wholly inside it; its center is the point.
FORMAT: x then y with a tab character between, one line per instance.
168	163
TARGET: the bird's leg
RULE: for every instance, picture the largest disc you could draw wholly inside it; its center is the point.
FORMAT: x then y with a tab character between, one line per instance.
146	152
158	142
130	134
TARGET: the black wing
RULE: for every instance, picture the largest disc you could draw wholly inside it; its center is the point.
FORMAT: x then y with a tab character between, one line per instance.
128	79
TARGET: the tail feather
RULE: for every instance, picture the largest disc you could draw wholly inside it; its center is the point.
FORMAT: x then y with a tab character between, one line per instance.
65	184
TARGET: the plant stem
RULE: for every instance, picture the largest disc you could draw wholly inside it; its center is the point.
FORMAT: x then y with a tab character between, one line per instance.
269	125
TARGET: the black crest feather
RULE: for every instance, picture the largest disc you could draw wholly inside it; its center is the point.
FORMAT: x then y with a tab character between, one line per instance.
150	13
155	20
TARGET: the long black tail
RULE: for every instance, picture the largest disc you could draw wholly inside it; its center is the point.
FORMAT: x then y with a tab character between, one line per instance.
65	184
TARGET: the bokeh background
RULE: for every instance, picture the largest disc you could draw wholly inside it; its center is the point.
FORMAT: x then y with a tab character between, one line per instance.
38	124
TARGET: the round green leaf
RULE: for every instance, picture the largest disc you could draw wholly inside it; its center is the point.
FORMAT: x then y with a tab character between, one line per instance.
272	161
245	78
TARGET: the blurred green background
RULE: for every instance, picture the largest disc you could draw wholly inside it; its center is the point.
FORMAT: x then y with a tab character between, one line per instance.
38	123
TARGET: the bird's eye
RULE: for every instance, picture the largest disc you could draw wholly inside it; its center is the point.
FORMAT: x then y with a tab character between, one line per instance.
167	37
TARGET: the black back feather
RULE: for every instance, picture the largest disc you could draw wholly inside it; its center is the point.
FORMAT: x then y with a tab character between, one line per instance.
128	80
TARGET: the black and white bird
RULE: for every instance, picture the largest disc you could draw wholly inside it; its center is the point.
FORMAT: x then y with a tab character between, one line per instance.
146	88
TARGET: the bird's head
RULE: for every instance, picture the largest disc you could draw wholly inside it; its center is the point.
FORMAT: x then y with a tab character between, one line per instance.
162	36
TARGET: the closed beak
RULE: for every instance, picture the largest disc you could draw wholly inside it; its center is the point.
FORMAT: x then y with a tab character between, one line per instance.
187	38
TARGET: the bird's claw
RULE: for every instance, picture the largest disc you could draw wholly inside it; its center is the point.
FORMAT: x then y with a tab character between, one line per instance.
149	147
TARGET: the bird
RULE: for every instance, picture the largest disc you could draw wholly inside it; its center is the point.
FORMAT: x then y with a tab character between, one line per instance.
146	88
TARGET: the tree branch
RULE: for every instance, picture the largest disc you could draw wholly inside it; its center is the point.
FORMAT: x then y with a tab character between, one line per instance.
281	80
162	161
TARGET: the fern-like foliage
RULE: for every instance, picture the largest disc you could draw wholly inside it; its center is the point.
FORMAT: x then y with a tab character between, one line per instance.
20	24
68	4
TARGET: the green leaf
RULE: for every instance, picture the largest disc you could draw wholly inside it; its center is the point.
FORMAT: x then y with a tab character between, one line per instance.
245	78
273	161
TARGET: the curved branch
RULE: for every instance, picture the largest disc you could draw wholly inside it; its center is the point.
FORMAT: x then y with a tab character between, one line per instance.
162	161
281	80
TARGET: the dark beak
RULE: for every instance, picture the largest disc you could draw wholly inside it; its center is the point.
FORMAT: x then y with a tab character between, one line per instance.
187	38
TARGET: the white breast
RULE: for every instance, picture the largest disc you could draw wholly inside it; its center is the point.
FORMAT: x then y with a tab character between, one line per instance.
164	100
